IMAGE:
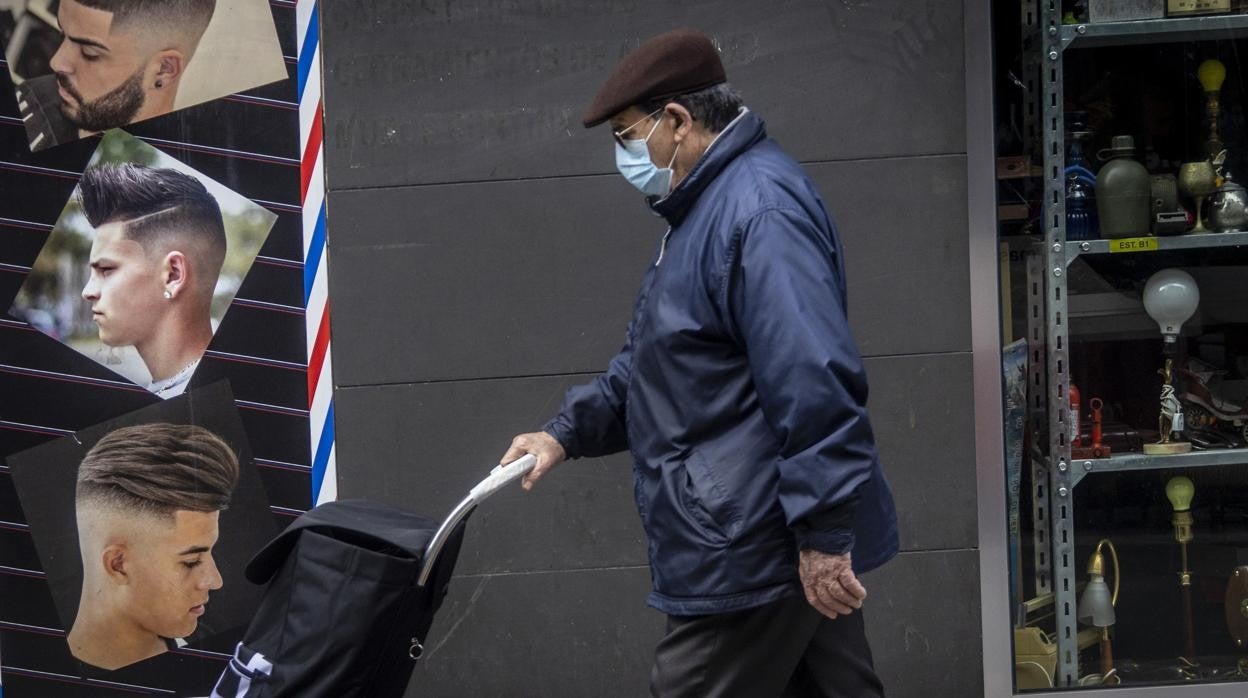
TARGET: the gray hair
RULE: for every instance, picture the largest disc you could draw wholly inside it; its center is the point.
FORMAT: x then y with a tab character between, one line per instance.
715	107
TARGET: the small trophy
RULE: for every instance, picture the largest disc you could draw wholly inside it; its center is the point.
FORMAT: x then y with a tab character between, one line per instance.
1198	180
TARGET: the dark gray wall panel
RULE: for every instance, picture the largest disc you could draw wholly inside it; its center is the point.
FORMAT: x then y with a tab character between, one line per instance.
483	280
538	277
464	90
903	225
421	447
544	635
919	408
923	622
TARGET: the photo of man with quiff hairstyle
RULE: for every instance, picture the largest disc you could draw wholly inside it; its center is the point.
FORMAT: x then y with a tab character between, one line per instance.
147	503
155	260
119	61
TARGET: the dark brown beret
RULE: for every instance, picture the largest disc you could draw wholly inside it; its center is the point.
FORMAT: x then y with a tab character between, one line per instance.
671	64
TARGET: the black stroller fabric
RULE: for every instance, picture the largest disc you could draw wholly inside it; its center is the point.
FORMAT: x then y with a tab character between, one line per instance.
342	615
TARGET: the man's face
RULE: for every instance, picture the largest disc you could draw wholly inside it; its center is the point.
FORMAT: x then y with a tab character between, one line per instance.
100	71
635	124
171	572
125	289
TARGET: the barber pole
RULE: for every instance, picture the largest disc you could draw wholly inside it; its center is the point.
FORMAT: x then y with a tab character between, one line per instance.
315	274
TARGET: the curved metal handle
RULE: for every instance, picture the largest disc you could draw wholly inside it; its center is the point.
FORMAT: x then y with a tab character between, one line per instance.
499	477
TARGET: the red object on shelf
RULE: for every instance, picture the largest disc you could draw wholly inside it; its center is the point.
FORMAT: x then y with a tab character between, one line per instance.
1096	404
1097	449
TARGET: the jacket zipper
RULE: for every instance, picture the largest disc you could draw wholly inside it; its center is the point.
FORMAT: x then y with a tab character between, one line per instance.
663	246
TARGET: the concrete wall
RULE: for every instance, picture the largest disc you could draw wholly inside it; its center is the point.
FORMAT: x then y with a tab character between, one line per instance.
484	257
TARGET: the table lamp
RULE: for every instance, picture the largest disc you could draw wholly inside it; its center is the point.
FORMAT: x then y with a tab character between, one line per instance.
1170	298
1096	605
1180	490
1211	74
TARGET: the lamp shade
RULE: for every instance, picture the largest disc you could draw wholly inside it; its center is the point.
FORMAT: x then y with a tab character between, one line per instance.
1180	490
1170	298
1211	74
1095	606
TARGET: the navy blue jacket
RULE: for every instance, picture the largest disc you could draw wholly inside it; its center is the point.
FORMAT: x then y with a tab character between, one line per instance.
740	391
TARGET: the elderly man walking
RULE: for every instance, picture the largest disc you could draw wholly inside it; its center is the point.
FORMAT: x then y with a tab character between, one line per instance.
741	395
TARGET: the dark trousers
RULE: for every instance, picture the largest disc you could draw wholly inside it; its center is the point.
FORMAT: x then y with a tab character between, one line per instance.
785	649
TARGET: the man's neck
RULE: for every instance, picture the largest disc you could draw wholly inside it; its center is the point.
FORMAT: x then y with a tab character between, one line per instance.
157	102
174	345
691	151
105	639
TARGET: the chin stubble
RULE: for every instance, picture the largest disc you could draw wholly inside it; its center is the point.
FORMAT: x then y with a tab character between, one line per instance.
117	108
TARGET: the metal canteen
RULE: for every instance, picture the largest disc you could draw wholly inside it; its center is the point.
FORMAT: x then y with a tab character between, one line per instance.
1228	207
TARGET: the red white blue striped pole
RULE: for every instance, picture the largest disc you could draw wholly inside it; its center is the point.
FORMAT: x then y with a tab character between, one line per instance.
315	275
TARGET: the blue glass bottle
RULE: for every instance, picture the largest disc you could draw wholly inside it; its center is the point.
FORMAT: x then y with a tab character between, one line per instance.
1079	224
1081	217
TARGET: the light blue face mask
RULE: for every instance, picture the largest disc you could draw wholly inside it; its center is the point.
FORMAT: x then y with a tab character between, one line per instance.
632	159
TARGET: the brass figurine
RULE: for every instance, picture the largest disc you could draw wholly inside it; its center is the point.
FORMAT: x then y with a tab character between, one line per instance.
1170	420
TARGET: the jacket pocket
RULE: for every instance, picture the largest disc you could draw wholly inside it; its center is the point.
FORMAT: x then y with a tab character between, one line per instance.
707	502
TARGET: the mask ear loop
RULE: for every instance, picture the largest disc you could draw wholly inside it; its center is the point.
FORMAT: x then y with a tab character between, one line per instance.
653	129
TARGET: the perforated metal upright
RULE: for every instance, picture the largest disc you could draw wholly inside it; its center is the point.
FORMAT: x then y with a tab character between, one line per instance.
1061	512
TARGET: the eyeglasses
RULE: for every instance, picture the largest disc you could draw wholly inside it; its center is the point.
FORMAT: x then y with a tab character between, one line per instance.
619	135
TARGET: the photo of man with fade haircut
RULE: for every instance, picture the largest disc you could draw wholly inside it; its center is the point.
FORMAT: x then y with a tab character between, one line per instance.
148	499
119	61
155	260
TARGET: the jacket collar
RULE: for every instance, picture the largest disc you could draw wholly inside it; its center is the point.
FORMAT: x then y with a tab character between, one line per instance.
738	136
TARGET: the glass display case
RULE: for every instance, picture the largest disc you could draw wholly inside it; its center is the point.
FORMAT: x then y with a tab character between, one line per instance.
1122	139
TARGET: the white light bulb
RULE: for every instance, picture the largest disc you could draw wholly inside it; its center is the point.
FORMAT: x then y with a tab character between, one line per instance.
1170	298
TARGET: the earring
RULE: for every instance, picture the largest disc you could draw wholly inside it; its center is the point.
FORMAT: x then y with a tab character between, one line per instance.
168	295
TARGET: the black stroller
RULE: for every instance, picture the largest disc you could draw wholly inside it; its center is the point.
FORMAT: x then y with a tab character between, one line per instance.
352	590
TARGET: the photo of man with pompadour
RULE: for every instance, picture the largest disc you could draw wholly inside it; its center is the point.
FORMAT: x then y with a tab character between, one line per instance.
147	503
119	61
143	266
158	250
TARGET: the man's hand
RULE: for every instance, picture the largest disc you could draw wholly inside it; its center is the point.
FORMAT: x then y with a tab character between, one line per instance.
830	584
548	451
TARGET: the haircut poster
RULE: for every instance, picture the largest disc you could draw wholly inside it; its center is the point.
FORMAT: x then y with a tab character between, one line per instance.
154	384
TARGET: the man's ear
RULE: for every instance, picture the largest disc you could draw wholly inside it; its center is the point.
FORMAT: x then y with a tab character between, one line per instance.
169	65
682	120
114	561
177	270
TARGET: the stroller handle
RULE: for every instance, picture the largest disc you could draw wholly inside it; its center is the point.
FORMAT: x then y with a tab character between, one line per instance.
499	477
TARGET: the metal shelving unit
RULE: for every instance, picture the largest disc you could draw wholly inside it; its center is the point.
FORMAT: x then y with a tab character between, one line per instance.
1138	461
1055	475
1153	31
1190	241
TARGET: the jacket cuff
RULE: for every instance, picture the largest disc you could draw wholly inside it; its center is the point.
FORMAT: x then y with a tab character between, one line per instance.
830	542
565	435
829	531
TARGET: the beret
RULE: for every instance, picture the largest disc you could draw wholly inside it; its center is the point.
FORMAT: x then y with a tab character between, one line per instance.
670	64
